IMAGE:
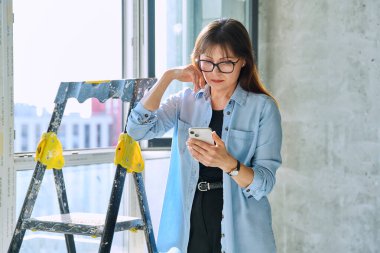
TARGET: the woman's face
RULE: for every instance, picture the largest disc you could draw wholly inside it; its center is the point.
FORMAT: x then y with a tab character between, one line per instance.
228	63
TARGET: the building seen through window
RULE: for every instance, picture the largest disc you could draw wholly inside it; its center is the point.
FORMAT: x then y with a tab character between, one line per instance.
74	132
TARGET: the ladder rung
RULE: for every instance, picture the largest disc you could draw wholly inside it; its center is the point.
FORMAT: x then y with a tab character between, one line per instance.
90	224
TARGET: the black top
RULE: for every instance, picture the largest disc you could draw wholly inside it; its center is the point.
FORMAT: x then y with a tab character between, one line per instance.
213	174
206	211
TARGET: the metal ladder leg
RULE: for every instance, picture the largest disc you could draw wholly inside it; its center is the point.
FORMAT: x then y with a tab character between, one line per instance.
58	175
34	187
113	209
63	206
27	208
145	213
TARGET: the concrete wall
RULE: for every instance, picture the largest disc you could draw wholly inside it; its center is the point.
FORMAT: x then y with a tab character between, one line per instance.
321	59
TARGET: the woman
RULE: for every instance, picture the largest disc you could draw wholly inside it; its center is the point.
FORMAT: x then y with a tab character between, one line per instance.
233	215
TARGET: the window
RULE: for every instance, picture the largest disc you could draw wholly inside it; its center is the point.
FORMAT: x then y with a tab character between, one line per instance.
55	42
112	139
51	46
62	135
98	135
87	136
24	137
75	136
37	133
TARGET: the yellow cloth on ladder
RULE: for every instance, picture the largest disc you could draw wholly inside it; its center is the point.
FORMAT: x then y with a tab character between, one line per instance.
128	154
49	151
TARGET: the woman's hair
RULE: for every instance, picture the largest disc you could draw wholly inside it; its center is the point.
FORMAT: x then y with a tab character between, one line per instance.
232	37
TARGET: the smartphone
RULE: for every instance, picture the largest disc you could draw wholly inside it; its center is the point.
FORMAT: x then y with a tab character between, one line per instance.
201	133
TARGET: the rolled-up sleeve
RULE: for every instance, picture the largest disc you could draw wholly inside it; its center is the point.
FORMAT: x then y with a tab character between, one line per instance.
145	124
267	157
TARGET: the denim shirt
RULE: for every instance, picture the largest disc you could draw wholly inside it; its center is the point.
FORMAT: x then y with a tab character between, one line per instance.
252	134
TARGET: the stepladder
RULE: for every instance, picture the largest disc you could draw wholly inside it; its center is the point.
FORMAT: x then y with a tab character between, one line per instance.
127	161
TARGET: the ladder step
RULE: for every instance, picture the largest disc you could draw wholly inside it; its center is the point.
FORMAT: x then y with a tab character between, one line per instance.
90	224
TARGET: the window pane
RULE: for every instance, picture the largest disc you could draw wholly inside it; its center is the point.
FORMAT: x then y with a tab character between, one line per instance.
156	173
88	190
65	40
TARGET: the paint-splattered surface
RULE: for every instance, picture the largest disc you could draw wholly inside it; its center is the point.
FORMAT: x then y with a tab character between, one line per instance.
79	223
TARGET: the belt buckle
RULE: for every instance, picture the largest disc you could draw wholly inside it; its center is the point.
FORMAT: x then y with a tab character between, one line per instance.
203	186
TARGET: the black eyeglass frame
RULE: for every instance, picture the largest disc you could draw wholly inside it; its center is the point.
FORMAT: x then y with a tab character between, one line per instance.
217	65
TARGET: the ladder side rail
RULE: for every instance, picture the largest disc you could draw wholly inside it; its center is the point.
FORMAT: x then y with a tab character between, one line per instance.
58	175
145	213
140	190
139	87
115	199
34	187
113	210
27	207
63	206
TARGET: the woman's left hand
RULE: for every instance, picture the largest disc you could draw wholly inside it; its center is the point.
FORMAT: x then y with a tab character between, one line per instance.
212	155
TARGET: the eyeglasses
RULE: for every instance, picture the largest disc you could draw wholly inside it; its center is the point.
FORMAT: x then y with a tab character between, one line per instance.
224	66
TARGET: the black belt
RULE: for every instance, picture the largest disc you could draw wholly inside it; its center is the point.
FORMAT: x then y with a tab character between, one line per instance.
206	186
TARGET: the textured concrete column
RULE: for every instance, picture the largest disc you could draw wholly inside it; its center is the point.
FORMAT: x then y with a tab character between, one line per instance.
7	172
321	59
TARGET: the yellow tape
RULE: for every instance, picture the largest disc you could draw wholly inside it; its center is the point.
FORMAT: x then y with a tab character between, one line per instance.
133	230
128	154
49	151
98	82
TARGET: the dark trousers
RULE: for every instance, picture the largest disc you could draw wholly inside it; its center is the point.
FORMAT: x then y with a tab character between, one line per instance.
205	222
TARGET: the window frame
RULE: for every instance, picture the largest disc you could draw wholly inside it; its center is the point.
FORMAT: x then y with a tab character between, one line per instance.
7	173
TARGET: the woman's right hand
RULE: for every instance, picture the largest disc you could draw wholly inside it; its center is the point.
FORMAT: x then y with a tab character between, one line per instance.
151	101
189	73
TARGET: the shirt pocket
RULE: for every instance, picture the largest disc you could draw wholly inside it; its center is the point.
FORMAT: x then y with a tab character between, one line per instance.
183	135
240	144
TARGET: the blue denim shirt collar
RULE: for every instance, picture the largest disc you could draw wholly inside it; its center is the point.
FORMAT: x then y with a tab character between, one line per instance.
239	95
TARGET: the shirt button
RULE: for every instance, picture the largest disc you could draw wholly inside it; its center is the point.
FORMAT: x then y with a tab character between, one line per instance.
228	113
250	196
226	128
146	115
248	190
222	234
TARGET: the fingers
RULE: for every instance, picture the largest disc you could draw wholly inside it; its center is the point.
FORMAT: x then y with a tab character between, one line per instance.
198	146
217	139
202	81
199	143
201	151
199	155
189	73
196	77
